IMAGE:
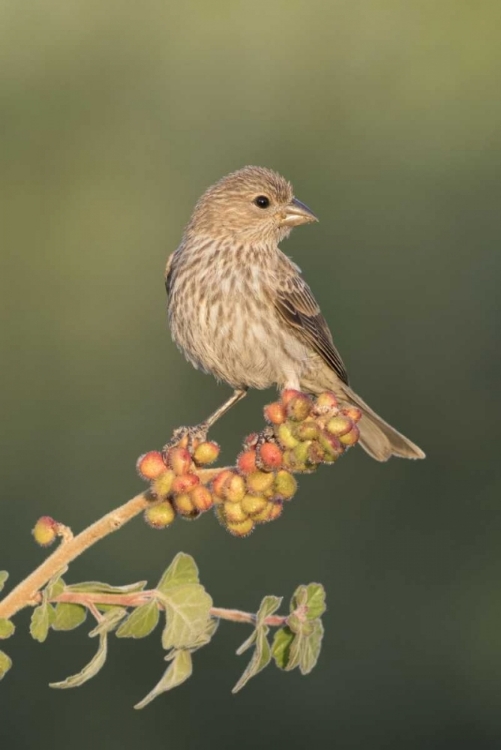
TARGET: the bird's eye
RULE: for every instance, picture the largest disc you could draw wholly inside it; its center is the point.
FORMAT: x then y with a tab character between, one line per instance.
262	201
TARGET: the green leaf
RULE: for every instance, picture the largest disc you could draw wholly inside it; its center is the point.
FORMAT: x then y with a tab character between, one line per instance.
182	569
177	672
56	585
268	607
7	628
141	622
300	624
109	622
68	616
187	609
315	601
5	664
41	620
90	670
206	635
97	587
310	649
3	577
281	646
299	598
260	659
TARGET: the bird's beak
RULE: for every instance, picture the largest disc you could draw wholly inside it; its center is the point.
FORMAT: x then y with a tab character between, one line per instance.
297	213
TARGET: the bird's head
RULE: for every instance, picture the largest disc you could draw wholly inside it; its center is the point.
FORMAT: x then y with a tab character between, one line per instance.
253	204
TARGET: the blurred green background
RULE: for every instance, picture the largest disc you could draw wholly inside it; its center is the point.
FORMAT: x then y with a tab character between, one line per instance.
386	116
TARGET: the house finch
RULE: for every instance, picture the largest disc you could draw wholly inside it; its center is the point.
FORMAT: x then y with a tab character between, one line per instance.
240	309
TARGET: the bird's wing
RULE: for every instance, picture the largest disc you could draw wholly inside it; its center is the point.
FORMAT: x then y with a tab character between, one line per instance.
298	308
168	270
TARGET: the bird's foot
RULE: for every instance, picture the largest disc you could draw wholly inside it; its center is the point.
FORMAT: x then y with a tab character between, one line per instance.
188	437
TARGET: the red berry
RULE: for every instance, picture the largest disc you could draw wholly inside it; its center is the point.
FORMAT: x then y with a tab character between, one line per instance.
179	459
270	456
185	483
201	498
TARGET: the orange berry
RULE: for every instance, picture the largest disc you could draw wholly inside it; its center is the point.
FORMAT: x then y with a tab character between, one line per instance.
150	465
276	511
246	461
270	456
274	413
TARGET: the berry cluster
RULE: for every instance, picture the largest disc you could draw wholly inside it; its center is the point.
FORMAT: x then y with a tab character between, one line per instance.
303	432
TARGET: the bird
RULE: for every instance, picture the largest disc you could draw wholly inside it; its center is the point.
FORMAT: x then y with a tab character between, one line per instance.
239	308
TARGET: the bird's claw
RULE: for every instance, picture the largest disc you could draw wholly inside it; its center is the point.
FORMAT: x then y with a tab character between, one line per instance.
189	437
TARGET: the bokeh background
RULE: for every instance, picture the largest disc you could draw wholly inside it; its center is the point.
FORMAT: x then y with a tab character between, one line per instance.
386	115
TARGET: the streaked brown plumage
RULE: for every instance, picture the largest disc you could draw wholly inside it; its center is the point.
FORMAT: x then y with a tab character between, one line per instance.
240	309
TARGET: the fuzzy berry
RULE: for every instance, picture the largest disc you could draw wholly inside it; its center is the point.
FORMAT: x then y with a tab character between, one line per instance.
351	437
253	505
274	413
285	485
299	407
339	425
179	459
161	515
201	498
241	529
234	513
206	453
246	461
325	402
45	531
270	456
162	485
185	483
259	482
150	465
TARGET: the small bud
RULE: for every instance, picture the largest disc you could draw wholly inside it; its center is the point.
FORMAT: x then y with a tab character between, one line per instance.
234	513
285	436
246	461
184	504
274	413
234	488
270	456
299	407
253	505
161	515
308	430
241	529
259	481
45	531
353	412
162	485
219	481
288	394
206	453
325	402
150	465
185	483
351	437
285	485
201	498
339	425
179	459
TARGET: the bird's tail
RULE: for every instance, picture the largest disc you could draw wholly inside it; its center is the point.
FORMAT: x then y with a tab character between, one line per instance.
379	439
